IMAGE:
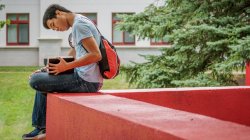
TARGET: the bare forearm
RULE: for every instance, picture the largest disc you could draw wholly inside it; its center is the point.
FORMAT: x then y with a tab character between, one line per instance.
86	60
72	52
92	56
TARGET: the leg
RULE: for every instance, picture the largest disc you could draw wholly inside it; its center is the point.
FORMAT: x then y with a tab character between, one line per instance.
39	110
38	117
61	83
43	83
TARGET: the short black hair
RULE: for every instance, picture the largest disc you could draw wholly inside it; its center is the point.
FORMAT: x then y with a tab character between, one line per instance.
51	13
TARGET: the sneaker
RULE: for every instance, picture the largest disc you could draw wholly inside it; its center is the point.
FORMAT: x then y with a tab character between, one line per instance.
35	134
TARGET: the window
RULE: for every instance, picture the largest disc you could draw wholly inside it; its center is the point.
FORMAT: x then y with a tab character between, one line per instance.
163	41
120	37
18	29
91	16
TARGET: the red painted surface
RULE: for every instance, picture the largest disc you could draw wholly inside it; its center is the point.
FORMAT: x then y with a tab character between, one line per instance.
226	103
248	73
107	117
71	118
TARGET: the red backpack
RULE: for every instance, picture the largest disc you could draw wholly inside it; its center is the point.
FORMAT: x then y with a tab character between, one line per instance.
110	63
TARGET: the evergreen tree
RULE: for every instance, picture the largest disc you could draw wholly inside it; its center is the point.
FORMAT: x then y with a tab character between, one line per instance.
210	39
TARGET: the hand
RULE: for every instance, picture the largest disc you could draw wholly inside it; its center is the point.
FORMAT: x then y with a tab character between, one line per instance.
58	68
40	70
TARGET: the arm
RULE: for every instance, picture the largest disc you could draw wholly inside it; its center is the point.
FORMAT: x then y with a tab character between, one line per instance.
72	52
92	56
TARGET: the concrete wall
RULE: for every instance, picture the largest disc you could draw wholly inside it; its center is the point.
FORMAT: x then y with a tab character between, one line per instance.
218	113
128	54
45	43
22	6
25	56
19	56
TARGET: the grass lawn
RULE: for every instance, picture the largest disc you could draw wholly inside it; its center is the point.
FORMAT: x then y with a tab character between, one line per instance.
16	100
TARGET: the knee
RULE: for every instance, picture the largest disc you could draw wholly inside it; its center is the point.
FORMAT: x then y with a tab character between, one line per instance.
34	81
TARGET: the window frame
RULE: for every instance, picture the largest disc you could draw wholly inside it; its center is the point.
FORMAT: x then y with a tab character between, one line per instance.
123	32
86	15
161	42
18	23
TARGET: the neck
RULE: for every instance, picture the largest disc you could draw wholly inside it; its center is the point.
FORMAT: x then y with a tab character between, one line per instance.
70	18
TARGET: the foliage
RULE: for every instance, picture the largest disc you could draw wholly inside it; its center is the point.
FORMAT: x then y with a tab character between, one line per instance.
210	39
1	6
2	23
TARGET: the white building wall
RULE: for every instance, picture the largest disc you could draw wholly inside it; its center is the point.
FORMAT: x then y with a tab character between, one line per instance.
104	10
51	43
19	56
22	6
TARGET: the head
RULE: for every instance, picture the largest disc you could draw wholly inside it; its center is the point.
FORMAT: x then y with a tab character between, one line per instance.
55	17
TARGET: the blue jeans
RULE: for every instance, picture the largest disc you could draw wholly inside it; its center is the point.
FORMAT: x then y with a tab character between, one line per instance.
42	82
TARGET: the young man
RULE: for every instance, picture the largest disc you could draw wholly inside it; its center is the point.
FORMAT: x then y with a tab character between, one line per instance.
86	76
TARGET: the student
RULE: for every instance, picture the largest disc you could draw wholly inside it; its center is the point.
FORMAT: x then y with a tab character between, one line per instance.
86	76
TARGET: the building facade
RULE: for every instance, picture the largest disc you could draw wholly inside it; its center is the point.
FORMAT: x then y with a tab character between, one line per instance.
26	42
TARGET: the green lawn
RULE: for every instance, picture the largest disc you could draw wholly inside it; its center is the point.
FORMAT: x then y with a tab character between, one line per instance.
16	100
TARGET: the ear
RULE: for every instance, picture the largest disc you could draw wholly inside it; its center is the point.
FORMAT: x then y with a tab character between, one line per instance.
58	12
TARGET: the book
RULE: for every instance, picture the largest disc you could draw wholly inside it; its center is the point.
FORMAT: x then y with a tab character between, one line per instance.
55	60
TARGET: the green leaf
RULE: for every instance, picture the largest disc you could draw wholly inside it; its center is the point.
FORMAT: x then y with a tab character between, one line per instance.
210	40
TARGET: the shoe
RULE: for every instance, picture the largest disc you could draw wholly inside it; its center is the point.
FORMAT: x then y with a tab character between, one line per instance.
35	134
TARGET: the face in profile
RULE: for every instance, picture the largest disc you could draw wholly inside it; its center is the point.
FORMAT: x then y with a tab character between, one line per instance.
59	23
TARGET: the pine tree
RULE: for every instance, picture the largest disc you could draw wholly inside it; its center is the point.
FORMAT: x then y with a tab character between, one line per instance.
210	39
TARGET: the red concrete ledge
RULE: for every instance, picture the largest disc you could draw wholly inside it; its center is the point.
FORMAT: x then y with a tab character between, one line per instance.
247	73
107	117
226	103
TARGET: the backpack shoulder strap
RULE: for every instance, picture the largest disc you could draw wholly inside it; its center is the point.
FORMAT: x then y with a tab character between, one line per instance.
95	26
